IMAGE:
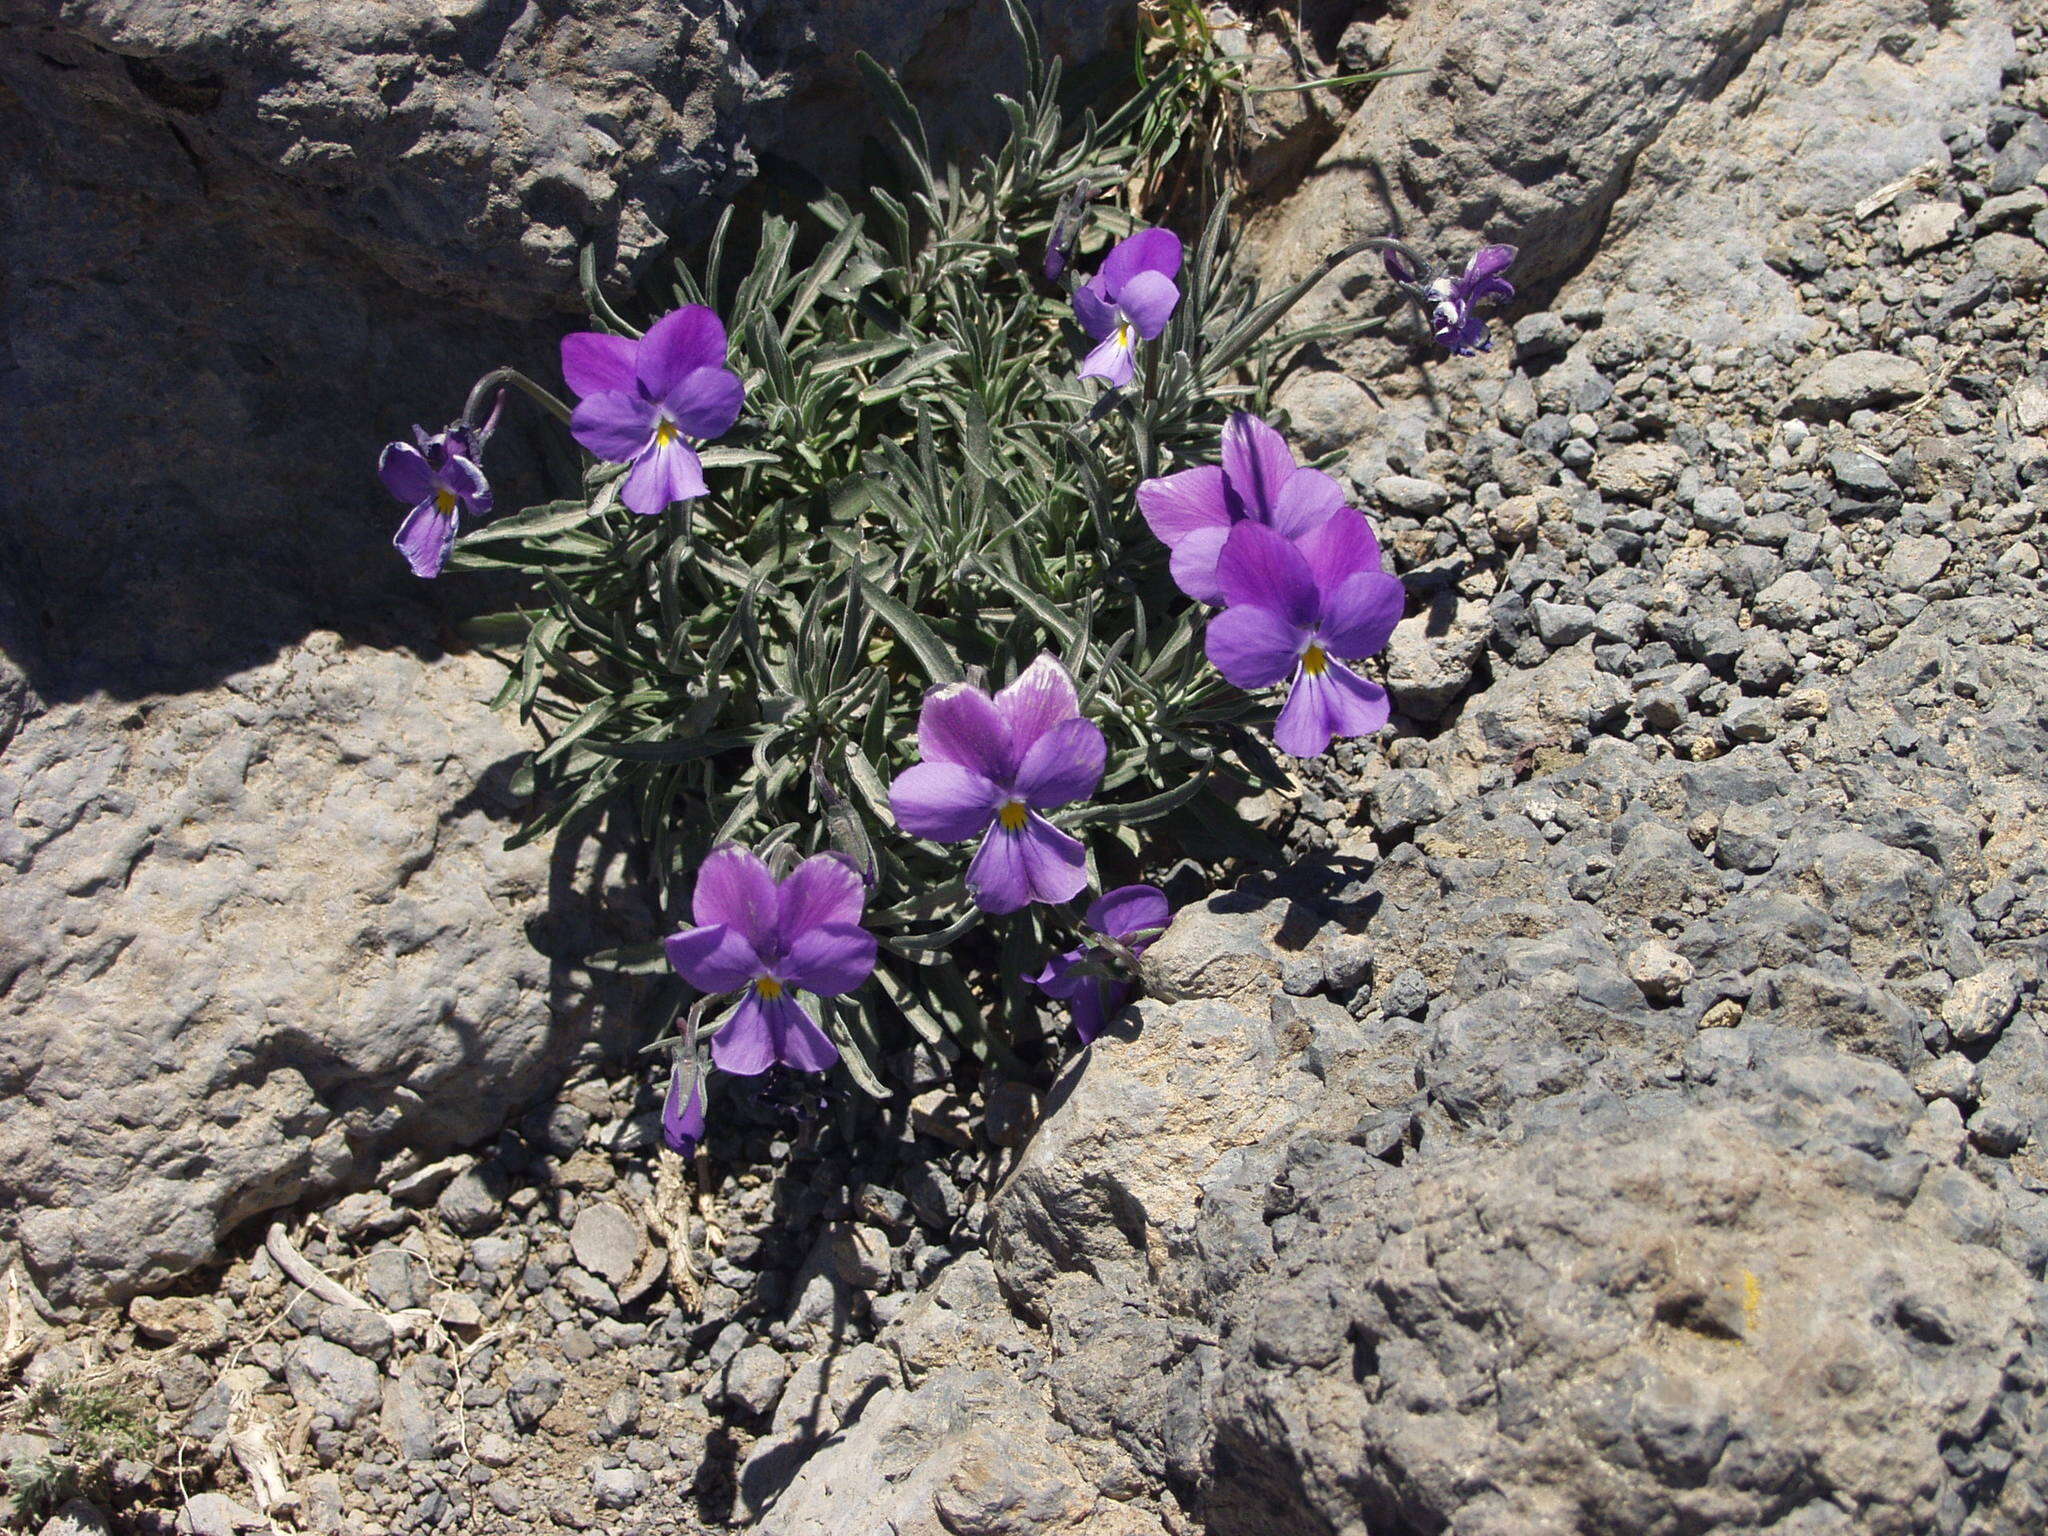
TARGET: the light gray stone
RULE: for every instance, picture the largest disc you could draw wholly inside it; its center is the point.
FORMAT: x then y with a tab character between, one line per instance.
608	1242
1857	381
331	1380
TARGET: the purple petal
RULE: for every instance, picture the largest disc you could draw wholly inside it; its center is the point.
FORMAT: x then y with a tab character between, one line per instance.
706	402
1491	288
596	364
735	888
1307	499
1401	264
468	483
1340	547
1194	564
1094	1008
959	724
1148	301
1058	978
830	959
1176	505
1094	310
425	537
1261	567
1257	463
1337	702
403	469
825	888
666	473
1359	617
1149	250
1488	261
943	801
765	1030
1459	331
682	1120
678	345
1254	647
1037	862
799	1043
1064	764
745	1045
1042	697
1110	362
614	425
714	958
1127	910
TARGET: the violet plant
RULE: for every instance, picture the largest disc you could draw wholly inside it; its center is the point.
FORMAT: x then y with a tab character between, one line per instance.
782	639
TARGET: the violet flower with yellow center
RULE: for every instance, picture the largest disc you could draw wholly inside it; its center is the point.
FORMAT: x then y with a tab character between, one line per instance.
1129	300
771	939
1305	608
641	400
991	766
441	479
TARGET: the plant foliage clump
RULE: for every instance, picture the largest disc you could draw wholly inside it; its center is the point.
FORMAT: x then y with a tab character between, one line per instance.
920	492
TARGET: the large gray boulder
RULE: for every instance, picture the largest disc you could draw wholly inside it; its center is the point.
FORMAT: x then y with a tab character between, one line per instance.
258	940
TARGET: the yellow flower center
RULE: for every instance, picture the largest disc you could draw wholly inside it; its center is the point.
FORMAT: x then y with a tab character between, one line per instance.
1125	336
768	986
444	501
1314	661
665	434
1011	816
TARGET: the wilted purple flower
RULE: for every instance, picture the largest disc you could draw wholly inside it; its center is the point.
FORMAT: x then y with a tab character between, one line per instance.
682	1113
441	480
1133	915
1258	481
641	399
772	939
1066	229
1305	607
1132	297
1452	302
991	765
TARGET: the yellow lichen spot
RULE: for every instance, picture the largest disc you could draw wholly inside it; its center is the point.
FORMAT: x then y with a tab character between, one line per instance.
1314	661
768	986
1011	816
665	434
444	501
1752	1301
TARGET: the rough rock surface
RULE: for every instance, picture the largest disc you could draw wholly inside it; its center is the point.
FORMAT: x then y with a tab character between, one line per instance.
259	940
1619	144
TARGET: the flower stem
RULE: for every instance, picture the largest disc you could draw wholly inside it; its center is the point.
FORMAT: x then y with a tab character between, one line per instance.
520	382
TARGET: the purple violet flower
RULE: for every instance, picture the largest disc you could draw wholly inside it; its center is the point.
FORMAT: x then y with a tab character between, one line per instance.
1305	608
1258	481
991	765
441	479
682	1114
772	939
1130	299
1133	915
1451	302
641	399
